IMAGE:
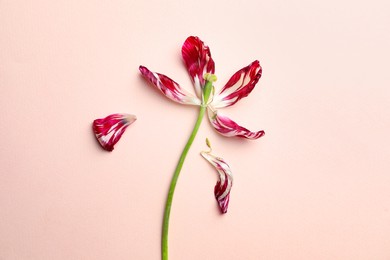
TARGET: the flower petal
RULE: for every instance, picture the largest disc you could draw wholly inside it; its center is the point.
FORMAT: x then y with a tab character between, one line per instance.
169	88
239	85
109	130
197	58
227	127
225	182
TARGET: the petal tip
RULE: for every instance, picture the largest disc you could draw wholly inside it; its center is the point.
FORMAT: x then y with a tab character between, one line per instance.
143	70
254	135
223	204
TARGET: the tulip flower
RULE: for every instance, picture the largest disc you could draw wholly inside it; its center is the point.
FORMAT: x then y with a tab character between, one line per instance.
201	67
109	130
225	182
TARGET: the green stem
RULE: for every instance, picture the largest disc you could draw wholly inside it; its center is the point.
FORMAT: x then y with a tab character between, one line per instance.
164	243
208	88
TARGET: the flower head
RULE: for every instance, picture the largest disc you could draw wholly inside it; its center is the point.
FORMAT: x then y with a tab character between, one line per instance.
201	67
109	130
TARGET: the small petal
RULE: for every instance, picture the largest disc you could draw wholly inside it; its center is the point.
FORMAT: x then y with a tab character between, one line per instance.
197	58
169	88
225	182
239	85
227	127
109	130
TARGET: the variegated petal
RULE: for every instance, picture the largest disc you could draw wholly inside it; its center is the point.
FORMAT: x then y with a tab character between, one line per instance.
197	57
227	127
169	87
109	130
224	184
239	85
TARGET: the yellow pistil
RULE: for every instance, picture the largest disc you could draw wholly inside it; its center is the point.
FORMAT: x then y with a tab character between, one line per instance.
210	77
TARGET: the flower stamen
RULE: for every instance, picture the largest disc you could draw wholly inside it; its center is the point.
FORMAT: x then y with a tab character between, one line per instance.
209	146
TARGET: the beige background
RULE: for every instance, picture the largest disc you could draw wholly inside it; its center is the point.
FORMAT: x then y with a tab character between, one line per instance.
317	186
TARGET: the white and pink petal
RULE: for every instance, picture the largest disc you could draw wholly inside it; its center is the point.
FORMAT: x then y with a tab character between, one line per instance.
227	127
197	57
224	184
169	87
110	129
239	85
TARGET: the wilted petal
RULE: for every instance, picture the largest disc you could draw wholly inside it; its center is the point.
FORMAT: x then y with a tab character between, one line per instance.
239	85
197	58
109	130
169	88
227	127
225	182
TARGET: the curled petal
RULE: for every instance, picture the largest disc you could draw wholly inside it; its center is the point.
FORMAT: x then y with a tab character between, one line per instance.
225	182
169	87
227	127
109	130
197	58
239	85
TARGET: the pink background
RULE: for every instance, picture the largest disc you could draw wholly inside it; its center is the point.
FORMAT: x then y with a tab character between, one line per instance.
316	186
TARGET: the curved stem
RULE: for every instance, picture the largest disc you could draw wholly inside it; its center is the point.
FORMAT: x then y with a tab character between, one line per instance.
208	89
167	212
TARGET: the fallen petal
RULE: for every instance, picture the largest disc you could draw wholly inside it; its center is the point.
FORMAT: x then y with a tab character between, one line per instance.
239	85
197	57
169	87
227	127
224	184
109	130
